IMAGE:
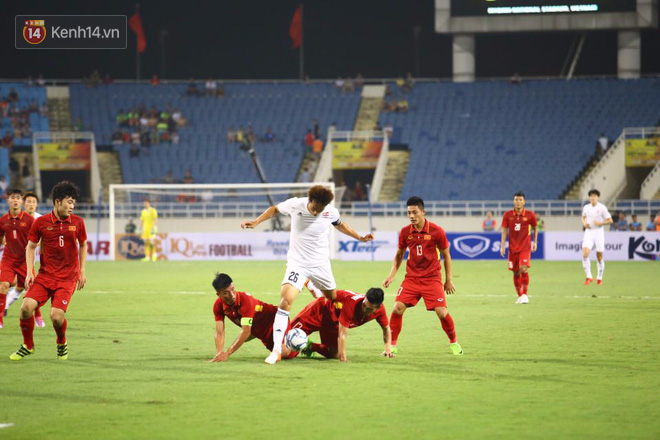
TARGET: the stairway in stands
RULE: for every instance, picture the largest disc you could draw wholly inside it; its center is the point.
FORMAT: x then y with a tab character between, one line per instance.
395	175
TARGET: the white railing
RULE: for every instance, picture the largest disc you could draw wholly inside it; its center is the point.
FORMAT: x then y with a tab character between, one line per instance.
651	185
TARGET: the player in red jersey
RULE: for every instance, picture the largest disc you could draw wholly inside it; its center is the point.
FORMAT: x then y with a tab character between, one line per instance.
333	318
254	317
63	259
423	277
519	223
30	204
14	228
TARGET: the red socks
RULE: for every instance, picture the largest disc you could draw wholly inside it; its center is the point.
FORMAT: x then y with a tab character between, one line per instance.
448	326
322	349
524	278
3	301
396	321
517	282
37	312
61	332
27	328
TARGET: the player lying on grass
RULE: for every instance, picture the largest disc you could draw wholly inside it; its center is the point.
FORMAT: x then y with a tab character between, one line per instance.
333	319
254	317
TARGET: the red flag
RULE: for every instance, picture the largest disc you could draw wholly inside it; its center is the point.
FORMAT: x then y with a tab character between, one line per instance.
135	23
295	30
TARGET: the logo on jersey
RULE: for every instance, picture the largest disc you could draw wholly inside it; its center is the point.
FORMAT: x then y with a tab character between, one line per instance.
471	245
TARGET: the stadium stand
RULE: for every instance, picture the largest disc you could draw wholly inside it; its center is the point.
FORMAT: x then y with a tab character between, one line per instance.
486	140
287	108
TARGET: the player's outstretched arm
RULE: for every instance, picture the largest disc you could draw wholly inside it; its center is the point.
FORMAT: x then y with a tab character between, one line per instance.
30	251
267	214
449	284
504	232
346	229
83	263
341	343
219	338
396	263
387	339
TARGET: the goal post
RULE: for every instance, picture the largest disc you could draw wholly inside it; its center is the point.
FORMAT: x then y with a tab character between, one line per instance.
205	201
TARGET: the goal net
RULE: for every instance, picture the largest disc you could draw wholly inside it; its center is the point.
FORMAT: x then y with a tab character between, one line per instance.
192	218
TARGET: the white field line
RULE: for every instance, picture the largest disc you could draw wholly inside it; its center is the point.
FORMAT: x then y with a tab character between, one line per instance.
6	425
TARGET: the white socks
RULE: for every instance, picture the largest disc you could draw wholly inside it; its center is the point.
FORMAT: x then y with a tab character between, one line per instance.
586	264
601	269
279	328
12	297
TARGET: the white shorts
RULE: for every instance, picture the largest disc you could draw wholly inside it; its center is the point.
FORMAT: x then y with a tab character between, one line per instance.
297	275
595	237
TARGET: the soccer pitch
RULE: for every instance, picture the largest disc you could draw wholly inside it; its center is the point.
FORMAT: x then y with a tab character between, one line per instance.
577	362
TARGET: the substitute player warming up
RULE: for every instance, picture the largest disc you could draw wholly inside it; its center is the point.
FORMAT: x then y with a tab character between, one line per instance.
62	269
423	277
519	223
594	216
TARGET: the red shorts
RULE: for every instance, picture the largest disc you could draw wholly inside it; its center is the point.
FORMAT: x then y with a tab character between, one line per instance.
431	289
329	332
10	271
266	337
517	259
59	292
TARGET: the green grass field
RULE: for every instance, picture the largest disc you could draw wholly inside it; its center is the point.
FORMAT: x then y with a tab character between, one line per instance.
577	362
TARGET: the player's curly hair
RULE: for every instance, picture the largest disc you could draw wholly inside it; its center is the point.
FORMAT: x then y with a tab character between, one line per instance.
65	189
221	281
375	296
320	195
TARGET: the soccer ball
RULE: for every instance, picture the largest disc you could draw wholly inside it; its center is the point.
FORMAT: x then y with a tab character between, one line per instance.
296	339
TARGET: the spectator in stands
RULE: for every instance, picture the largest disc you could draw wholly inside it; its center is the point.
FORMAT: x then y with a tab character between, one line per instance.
317	129
40	80
107	79
349	85
155	81
43	110
79	126
169	177
145	138
3	185
305	176
144	121
359	80
309	139
117	137
650	226
240	135
30	81
622	223
192	88
269	136
540	223
489	223
8	140
126	136
34	106
122	118
339	83
13	96
410	82
175	137
211	87
515	79
188	178
358	192
130	227
317	148
251	136
134	151
402	105
207	196
389	130
603	144
635	225
231	134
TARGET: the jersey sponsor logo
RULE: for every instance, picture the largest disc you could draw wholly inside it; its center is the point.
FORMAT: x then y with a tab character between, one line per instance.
471	245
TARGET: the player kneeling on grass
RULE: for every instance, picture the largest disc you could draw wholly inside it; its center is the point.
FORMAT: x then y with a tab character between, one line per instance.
254	317
333	318
63	257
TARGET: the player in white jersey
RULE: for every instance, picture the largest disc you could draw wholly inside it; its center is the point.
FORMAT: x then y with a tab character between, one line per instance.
30	205
594	217
309	251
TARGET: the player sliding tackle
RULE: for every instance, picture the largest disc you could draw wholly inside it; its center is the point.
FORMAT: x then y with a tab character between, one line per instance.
254	317
309	252
333	319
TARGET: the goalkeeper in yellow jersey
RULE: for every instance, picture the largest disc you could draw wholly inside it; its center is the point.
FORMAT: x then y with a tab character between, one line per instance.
149	227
